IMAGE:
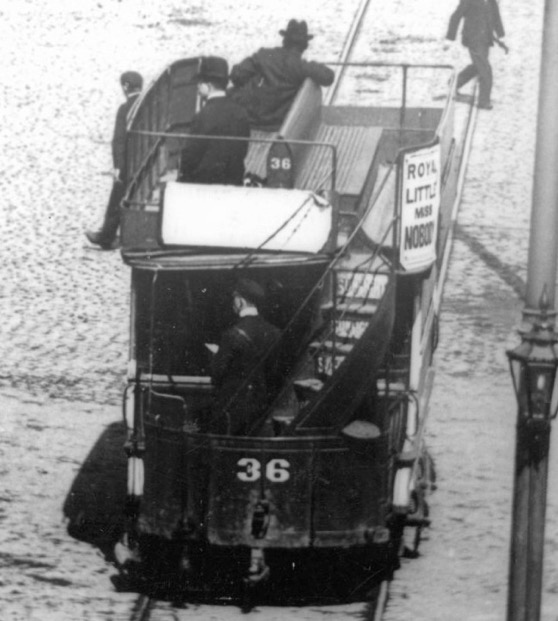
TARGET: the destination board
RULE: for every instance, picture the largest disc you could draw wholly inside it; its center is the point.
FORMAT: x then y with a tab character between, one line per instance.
419	195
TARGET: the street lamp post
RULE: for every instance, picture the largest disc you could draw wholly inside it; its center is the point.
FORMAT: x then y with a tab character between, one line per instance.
534	361
533	364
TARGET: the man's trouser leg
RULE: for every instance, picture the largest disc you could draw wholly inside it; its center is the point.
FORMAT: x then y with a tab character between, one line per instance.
112	213
479	56
465	75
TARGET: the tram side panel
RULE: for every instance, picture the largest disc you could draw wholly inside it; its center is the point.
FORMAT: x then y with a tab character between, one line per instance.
162	503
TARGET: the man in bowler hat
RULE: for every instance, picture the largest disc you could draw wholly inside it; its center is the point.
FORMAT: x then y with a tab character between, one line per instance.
131	82
214	160
482	25
267	82
244	374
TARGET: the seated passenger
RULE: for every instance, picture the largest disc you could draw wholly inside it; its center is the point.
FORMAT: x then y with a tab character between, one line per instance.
245	383
215	161
267	82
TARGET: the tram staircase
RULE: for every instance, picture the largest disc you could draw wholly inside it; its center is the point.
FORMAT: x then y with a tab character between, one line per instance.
341	363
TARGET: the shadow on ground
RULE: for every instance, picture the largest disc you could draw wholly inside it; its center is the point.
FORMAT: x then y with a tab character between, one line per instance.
94	505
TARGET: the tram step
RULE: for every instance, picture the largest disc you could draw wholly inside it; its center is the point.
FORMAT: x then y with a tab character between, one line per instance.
393	375
353	307
307	388
358	307
333	347
393	387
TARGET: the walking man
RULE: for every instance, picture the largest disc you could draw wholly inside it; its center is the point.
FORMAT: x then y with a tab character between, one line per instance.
267	82
482	25
131	82
215	161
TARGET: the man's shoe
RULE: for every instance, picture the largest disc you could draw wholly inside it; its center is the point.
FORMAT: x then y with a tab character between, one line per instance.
485	106
96	238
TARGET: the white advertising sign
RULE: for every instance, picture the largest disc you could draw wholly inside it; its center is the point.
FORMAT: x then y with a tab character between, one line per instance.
420	205
228	216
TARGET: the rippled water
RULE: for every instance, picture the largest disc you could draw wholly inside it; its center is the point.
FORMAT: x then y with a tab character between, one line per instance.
64	306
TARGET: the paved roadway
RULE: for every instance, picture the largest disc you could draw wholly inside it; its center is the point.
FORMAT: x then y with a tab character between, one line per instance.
64	307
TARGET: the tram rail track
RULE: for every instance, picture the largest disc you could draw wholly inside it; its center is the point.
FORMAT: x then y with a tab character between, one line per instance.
148	608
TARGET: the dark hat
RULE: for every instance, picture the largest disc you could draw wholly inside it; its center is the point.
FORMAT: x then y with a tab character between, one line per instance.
132	78
213	68
249	290
297	32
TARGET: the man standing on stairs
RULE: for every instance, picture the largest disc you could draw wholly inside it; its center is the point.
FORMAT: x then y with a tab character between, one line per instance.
131	82
482	26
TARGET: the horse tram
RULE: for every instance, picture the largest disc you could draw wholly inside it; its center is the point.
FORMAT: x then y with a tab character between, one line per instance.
348	233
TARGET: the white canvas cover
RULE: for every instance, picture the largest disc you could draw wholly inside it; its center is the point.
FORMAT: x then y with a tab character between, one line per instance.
223	216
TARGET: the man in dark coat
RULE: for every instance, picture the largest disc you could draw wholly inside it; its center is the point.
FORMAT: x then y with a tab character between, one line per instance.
214	160
267	82
482	25
131	82
245	381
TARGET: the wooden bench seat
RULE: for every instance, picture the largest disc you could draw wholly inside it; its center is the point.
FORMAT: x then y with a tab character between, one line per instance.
355	146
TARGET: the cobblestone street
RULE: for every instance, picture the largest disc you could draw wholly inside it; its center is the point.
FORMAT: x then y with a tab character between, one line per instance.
64	305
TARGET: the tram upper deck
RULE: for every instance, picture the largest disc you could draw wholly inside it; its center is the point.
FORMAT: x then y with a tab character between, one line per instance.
346	153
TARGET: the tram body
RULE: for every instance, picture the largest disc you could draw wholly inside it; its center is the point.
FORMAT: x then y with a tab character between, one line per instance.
347	235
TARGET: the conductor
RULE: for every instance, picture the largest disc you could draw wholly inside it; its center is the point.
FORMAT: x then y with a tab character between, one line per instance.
244	378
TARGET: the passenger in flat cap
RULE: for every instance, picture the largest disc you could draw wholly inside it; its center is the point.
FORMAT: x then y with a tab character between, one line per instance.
215	161
245	379
131	83
267	82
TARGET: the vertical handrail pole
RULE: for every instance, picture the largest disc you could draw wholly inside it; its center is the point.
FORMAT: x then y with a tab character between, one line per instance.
402	111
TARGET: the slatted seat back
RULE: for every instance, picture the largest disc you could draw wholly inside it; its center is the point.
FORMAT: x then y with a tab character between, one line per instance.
301	123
